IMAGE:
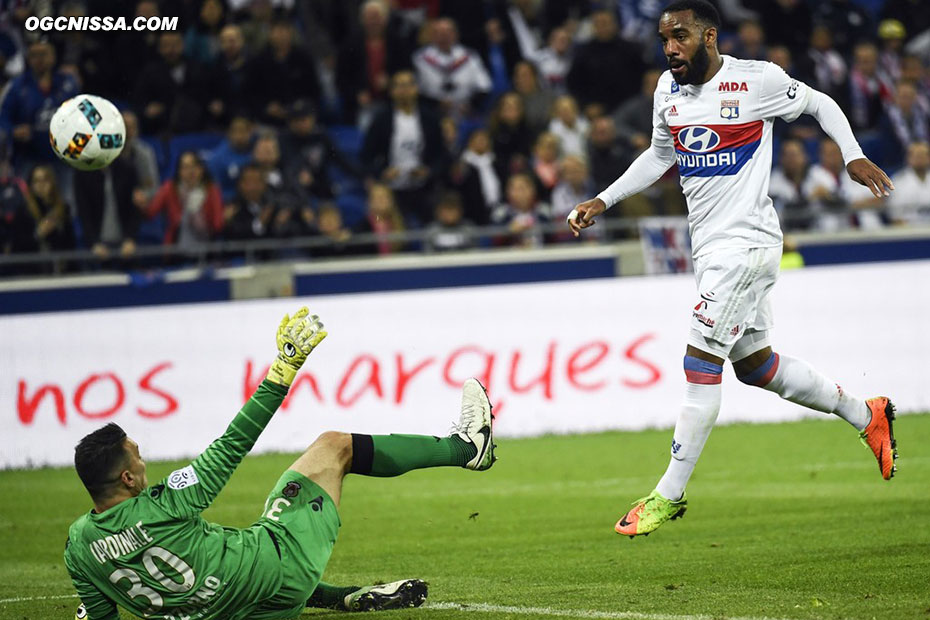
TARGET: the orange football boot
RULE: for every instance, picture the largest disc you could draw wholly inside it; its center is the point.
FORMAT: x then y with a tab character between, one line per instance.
879	437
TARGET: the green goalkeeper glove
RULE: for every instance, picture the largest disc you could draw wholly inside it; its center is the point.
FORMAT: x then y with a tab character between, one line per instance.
297	337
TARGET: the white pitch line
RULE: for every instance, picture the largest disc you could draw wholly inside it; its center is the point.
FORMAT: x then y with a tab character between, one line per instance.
499	609
26	599
576	613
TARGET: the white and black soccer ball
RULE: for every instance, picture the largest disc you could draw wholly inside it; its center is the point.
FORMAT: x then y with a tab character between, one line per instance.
87	132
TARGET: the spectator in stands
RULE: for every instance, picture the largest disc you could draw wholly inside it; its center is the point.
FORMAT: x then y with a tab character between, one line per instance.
904	122
573	188
496	56
537	101
368	59
191	202
607	158
510	135
523	212
849	23
482	185
142	157
132	51
79	50
266	154
331	228
892	34
913	13
555	60
827	66
16	223
227	159
450	229
788	23
50	228
29	102
853	204
451	141
633	119
867	92
173	93
450	73
230	69
202	40
280	75
570	127
11	59
796	187
107	209
295	220
749	42
249	214
382	219
914	71
605	55
308	152
910	201
518	28
403	148
257	24
545	163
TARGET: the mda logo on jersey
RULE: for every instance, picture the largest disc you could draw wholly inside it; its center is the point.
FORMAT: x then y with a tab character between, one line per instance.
698	139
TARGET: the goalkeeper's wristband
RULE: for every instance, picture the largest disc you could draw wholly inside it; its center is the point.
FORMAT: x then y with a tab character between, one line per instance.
281	372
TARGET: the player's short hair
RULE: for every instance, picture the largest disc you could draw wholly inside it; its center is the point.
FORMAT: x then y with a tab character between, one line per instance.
98	456
704	11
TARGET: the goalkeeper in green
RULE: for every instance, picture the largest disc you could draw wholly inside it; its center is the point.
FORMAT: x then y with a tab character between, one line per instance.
149	550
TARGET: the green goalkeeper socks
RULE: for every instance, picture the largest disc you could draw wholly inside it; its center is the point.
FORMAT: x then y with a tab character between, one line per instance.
393	455
330	597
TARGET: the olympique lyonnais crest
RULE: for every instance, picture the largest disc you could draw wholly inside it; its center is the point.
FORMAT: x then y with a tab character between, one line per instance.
729	108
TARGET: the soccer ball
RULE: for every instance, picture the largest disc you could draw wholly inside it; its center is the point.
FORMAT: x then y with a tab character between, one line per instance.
87	132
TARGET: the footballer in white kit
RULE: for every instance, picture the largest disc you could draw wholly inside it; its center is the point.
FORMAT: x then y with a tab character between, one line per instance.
713	116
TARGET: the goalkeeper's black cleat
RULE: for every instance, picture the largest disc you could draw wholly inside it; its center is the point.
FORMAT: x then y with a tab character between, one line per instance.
396	595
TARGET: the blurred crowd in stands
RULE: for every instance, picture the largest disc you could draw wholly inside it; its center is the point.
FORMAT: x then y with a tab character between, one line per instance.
273	119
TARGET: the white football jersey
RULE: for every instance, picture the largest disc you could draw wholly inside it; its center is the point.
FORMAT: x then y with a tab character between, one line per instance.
722	135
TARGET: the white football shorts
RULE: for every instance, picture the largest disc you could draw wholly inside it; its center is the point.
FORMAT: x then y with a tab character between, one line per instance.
733	296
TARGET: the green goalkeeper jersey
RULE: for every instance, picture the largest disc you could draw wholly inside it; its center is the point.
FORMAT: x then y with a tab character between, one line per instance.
156	556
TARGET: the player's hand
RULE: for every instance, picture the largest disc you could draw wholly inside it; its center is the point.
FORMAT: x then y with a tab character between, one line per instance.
297	336
866	173
582	216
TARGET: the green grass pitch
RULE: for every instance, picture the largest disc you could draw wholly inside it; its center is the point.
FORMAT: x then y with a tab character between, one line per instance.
785	521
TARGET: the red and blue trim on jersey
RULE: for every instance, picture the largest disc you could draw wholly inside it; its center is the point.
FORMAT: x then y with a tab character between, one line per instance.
715	150
701	371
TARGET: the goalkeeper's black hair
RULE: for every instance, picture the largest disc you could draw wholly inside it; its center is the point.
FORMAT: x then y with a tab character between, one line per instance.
704	12
98	458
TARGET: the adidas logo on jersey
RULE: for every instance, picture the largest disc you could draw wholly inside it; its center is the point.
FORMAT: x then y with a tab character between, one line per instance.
733	87
673	111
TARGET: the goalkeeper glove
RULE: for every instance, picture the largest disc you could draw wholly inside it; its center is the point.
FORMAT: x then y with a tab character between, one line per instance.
81	613
297	337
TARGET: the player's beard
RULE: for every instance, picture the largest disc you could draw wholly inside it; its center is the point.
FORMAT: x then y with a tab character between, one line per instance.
697	67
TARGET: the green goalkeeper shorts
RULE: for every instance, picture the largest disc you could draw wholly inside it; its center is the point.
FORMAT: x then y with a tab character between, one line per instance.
303	522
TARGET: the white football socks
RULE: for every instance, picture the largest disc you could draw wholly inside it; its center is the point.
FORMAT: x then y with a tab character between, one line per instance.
795	380
697	417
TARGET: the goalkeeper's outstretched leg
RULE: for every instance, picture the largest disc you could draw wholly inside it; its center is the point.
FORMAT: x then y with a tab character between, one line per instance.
302	511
